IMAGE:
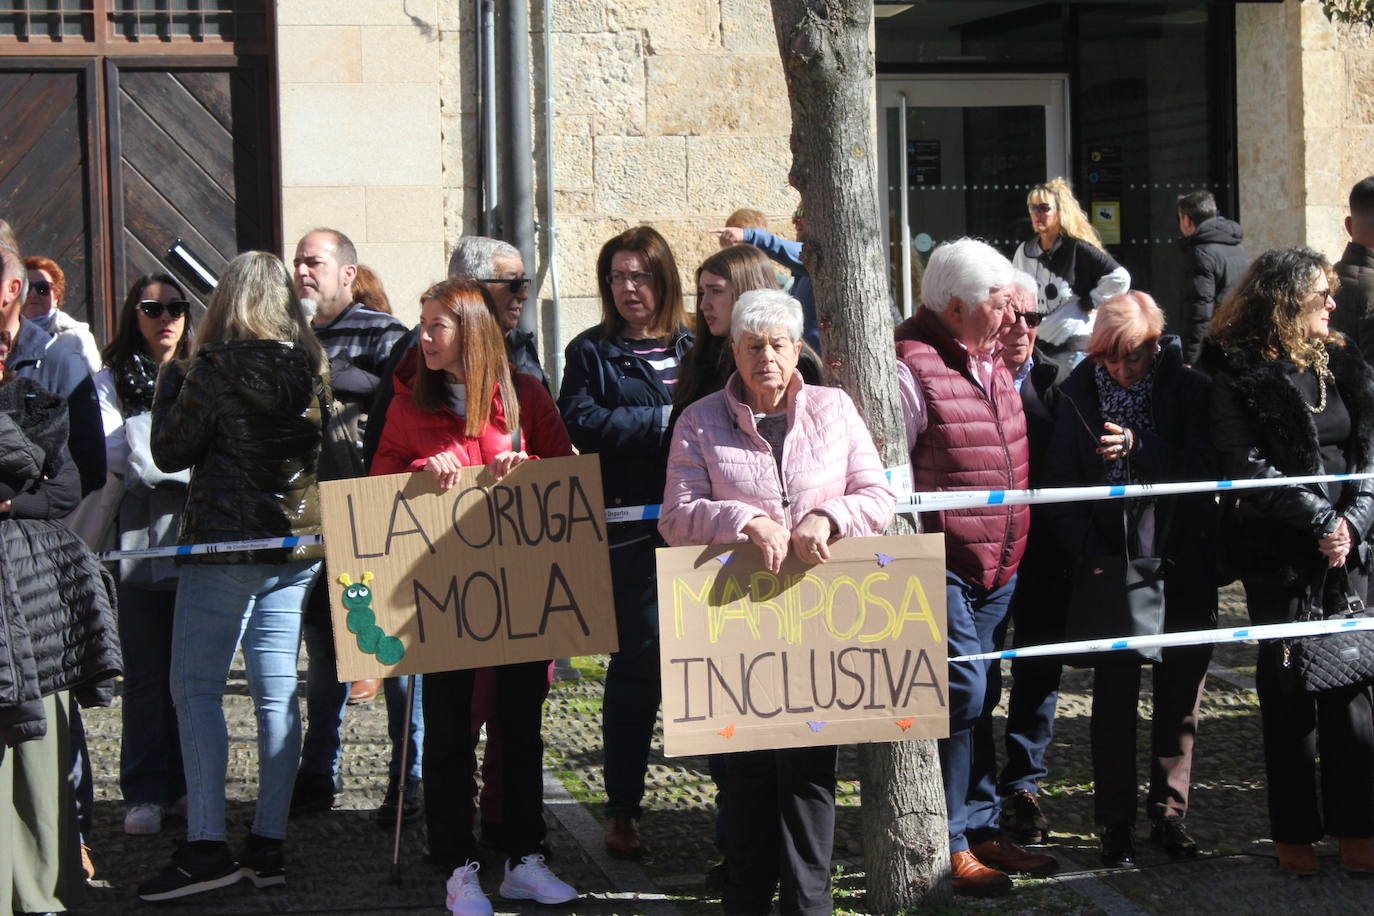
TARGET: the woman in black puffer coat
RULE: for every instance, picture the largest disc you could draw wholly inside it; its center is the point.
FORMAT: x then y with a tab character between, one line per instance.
1293	399
57	633
245	415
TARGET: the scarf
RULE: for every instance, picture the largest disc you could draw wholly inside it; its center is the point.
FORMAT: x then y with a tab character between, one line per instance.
135	378
1127	407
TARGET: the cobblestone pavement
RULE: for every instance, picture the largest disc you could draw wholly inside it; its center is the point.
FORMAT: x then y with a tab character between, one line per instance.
340	862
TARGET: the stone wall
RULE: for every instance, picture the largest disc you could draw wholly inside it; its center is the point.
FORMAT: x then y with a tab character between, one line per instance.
360	133
1305	123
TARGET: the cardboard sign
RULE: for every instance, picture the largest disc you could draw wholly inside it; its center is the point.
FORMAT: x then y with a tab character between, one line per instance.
845	652
482	574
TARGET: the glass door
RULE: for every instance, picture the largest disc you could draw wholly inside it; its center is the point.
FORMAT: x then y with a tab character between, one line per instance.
959	155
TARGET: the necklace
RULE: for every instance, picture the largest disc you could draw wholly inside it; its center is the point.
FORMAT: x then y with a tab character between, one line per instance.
1321	366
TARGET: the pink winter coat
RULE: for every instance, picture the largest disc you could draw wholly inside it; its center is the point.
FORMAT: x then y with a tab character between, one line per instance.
721	472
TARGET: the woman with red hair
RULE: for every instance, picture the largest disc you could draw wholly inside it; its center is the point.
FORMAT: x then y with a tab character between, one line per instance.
458	405
43	306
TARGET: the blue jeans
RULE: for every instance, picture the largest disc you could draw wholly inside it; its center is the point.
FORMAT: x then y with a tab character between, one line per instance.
150	769
968	757
630	704
217	606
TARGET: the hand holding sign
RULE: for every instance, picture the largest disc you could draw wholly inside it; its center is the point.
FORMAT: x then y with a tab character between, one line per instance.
771	538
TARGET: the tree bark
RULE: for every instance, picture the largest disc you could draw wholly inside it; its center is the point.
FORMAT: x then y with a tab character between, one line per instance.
829	71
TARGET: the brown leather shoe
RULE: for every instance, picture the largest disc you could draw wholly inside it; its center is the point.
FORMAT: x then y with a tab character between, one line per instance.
362	691
622	838
1357	856
1298	859
971	877
1002	853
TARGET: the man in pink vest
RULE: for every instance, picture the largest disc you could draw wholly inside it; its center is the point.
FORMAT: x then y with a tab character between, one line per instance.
968	432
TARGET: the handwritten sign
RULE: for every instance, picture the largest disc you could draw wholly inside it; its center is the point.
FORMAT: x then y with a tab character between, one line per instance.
849	651
482	574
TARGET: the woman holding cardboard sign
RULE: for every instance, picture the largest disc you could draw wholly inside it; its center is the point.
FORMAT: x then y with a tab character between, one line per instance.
458	405
789	467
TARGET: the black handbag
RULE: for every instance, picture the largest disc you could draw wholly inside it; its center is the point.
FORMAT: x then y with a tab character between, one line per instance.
1334	660
1112	596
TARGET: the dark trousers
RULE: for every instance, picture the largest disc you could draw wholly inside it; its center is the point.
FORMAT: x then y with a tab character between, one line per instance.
150	770
1037	615
630	704
1178	684
976	620
449	763
1308	800
778	815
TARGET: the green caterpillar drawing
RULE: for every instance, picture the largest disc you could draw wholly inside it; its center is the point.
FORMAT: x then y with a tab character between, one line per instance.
362	623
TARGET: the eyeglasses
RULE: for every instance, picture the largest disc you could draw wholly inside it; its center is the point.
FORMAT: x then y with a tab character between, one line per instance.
1042	209
1323	293
1032	319
640	278
153	309
800	213
517	284
41	287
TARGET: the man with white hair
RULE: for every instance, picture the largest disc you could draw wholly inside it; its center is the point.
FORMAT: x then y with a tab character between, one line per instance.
970	434
501	269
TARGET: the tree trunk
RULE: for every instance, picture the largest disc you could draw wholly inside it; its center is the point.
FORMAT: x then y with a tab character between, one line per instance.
829	71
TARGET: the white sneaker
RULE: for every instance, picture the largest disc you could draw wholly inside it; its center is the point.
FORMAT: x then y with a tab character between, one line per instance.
465	897
143	820
532	880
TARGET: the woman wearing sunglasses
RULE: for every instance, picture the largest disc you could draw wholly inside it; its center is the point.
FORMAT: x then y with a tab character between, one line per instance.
152	329
1072	270
43	306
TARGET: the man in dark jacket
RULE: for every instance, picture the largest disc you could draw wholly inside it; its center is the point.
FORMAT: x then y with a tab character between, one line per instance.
501	269
970	433
1354	315
1037	604
1214	261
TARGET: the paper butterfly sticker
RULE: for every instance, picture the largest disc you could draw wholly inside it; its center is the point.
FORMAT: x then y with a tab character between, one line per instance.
884	559
725	558
905	724
729	730
815	726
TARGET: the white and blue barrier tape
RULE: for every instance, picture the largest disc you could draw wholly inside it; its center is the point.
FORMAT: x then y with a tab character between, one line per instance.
187	550
1184	638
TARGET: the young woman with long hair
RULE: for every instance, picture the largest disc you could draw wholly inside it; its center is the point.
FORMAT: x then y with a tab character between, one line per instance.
245	414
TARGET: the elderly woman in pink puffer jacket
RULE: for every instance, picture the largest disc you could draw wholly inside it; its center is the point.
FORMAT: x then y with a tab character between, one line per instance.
788	466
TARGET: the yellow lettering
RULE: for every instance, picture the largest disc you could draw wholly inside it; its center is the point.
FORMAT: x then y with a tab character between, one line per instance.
832	593
764	587
916	590
870	581
734	605
683	590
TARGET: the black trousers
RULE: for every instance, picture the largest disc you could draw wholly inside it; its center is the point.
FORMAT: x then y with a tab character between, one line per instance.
778	820
1308	800
448	761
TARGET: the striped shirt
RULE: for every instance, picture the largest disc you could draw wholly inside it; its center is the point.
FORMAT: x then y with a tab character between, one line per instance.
358	343
662	357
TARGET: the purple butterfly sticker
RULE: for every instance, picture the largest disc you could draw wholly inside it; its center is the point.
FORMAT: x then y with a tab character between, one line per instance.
884	559
815	726
725	558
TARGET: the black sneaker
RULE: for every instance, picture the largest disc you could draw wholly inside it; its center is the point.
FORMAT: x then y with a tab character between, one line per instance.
1168	832
312	792
1023	819
411	808
262	861
195	868
1118	846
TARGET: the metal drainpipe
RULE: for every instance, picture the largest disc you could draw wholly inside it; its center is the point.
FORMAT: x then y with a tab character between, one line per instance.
519	190
491	196
550	224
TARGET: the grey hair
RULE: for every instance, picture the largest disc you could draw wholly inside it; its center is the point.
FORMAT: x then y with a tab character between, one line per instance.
760	310
473	256
964	269
1025	281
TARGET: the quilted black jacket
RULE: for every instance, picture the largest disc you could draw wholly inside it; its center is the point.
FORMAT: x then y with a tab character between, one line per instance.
58	629
245	416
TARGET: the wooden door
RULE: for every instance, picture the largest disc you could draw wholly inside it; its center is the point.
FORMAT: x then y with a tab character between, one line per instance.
50	174
191	158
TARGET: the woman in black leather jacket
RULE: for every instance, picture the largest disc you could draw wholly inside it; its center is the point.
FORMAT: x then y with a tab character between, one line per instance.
245	415
1291	398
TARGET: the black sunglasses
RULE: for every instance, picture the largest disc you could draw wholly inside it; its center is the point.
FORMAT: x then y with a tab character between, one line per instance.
517	284
1032	319
41	287
153	309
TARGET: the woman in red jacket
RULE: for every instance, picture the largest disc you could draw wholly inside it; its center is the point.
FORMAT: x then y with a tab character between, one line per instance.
457	405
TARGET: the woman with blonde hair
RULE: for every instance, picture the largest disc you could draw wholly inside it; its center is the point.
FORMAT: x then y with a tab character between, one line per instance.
245	414
1072	270
1293	399
458	405
1132	412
